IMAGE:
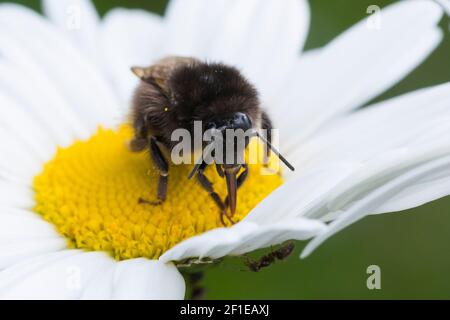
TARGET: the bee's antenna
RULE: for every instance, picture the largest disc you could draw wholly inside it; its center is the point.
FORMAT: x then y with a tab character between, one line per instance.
274	150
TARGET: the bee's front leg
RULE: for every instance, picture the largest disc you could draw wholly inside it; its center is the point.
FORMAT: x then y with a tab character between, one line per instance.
240	181
163	168
207	185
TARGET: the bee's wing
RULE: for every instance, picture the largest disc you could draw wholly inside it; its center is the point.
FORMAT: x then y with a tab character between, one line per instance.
159	73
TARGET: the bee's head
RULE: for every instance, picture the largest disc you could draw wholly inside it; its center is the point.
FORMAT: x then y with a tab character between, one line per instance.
216	94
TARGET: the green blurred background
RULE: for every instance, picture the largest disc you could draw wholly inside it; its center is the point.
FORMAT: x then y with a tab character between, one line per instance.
412	247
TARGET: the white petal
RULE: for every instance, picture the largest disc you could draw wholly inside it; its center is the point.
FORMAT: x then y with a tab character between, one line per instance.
137	279
14	195
59	275
242	238
12	276
79	20
16	251
415	119
200	246
28	132
381	171
431	187
101	286
377	144
30	42
192	26
356	67
73	274
288	229
363	152
18	163
35	101
263	39
129	38
241	33
147	279
372	201
22	227
403	148
301	193
45	93
26	213
445	4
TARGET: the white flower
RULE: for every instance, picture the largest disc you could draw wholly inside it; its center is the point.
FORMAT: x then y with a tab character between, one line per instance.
60	80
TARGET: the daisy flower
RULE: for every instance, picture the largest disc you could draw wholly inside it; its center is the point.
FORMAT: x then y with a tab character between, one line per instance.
70	225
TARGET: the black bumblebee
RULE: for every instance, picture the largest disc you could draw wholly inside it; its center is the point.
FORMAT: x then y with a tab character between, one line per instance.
175	92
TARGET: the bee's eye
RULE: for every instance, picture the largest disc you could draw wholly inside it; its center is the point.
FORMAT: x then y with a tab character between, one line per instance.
237	120
241	121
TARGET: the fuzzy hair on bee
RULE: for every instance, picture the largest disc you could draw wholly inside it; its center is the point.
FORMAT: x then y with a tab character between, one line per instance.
177	91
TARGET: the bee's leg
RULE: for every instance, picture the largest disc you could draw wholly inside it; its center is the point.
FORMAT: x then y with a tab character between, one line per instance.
240	181
163	167
220	170
266	124
140	139
207	185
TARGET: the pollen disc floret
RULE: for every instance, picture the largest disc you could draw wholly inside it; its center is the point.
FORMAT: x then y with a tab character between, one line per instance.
90	191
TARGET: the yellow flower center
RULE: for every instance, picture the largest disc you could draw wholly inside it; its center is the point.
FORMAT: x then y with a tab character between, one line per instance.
90	192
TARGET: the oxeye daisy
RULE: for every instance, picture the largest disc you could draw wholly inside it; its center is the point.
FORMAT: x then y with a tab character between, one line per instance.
70	225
